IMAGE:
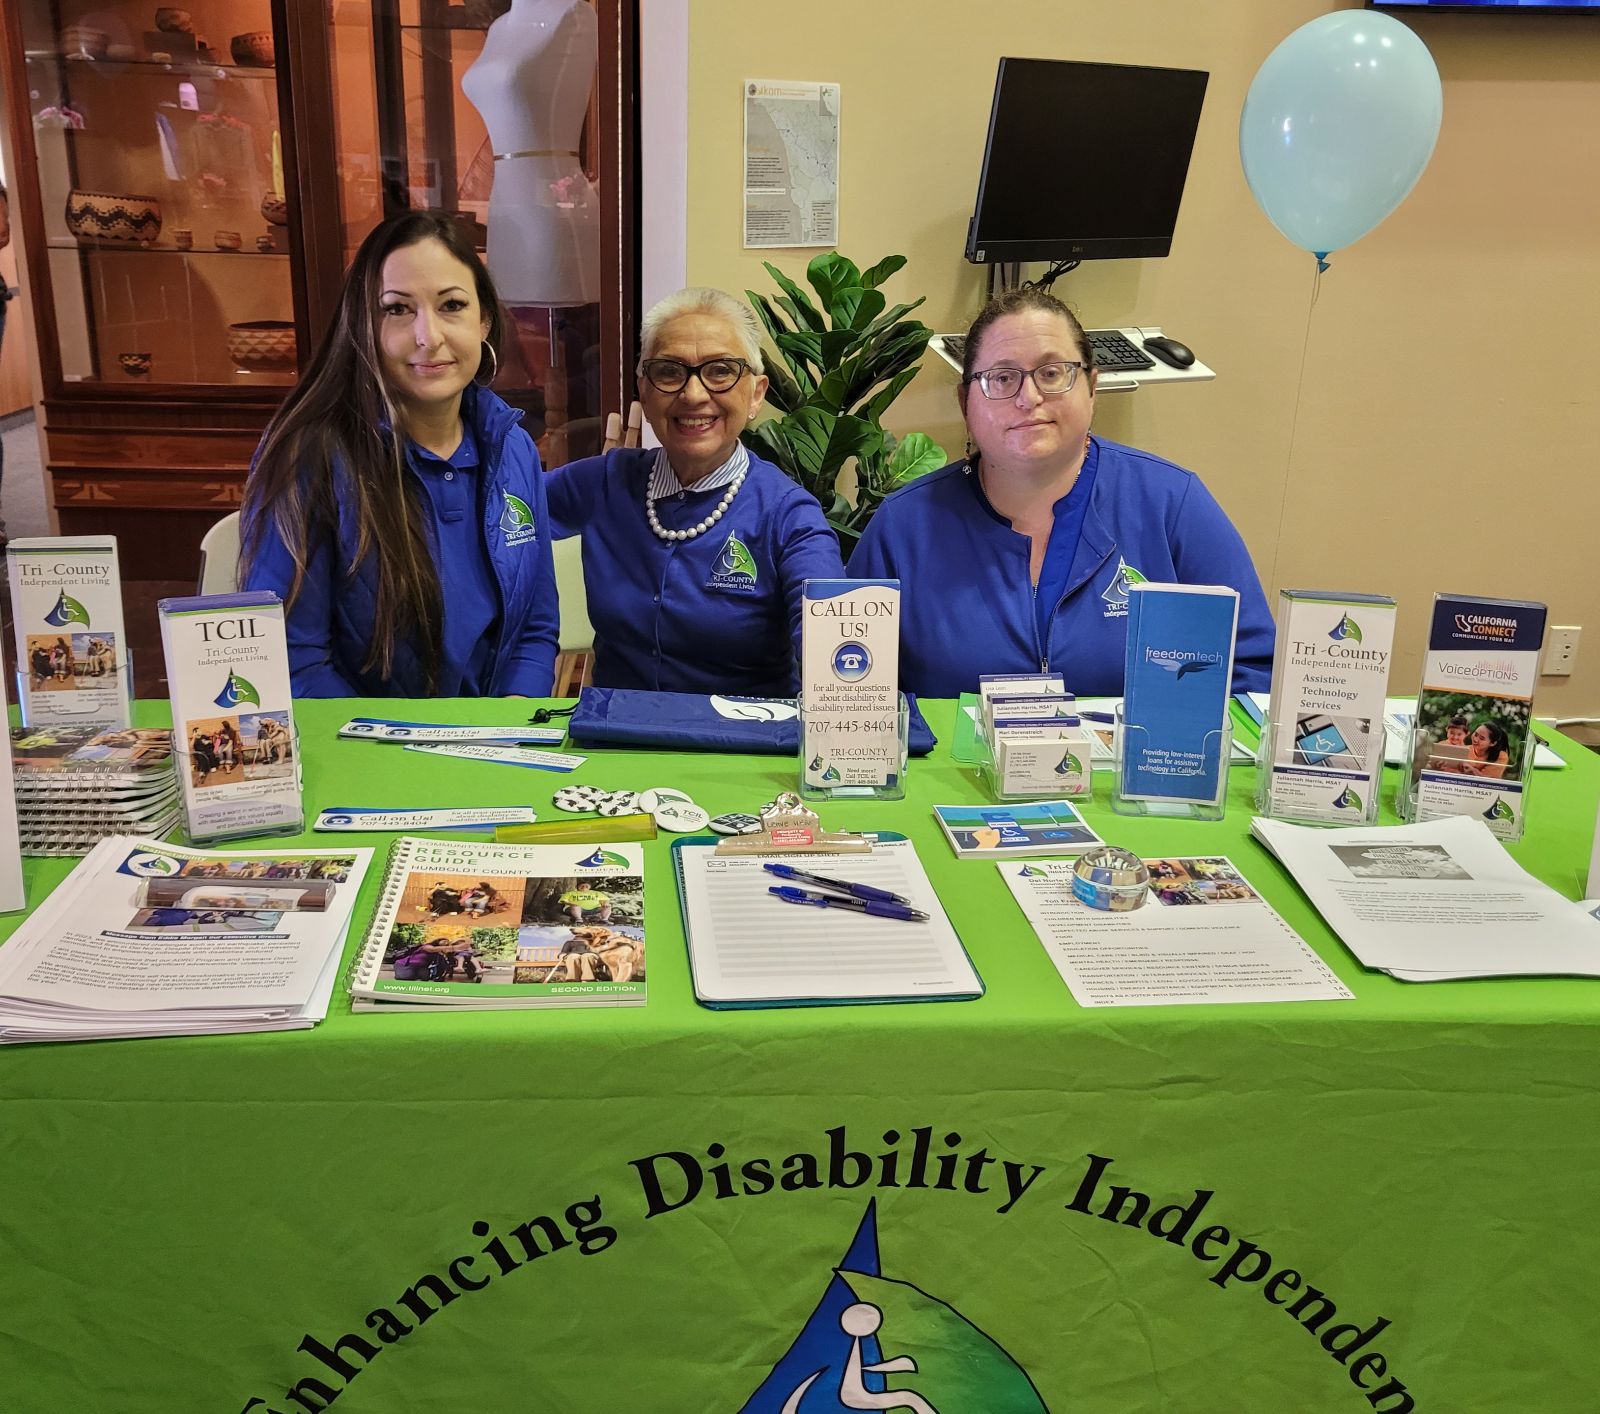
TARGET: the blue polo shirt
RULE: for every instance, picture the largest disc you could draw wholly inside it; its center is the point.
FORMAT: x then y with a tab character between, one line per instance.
719	612
968	607
454	489
1065	531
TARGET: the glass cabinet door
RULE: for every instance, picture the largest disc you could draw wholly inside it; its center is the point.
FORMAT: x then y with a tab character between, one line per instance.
161	180
487	110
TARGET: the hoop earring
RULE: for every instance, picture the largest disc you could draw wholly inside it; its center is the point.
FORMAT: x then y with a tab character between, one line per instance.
494	366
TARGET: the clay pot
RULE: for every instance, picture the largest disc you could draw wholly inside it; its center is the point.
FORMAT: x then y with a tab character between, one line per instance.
253	50
183	239
275	208
227	240
171	20
264	244
135	365
108	216
262	344
84	42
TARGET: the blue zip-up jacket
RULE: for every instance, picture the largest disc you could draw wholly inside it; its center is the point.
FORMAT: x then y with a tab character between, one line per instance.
330	624
693	615
967	600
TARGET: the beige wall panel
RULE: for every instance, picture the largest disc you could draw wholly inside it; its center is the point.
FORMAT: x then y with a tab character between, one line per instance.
1445	370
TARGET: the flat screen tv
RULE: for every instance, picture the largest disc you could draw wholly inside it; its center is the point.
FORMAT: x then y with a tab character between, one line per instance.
1084	161
1480	7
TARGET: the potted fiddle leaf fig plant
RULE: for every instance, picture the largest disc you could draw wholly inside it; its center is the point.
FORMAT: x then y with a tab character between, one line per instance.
842	360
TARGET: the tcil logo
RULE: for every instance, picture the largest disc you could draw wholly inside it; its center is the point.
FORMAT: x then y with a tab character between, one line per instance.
1347	627
236	692
149	865
851	662
602	859
67	610
517	520
1347	799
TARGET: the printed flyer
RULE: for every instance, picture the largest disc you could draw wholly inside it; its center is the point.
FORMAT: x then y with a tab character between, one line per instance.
850	695
66	594
232	715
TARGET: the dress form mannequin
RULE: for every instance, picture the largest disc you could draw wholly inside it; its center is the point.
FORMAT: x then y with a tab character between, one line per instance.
531	83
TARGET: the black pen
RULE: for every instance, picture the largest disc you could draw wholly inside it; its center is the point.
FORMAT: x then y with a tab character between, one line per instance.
838	886
875	907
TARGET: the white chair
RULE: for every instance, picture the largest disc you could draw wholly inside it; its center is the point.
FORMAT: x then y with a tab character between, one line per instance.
219	557
576	635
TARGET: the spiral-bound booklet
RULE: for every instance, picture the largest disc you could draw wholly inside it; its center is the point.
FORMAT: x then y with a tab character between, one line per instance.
505	926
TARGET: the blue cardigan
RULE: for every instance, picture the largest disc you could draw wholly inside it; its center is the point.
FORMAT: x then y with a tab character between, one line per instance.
693	615
968	602
330	624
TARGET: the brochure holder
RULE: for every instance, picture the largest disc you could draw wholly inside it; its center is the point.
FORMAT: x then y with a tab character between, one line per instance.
812	747
1353	796
1433	786
190	785
1068	784
61	702
1184	807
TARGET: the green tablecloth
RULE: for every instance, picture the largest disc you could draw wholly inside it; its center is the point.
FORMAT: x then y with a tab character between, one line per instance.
570	1211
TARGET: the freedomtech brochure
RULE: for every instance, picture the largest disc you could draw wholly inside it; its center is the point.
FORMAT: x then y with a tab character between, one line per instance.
1175	693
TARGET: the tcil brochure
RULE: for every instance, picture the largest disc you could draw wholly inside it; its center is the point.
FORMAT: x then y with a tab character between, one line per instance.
66	594
850	684
1322	744
1472	743
1175	693
1204	935
232	715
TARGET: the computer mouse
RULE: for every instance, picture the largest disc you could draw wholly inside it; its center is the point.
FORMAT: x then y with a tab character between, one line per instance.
1169	351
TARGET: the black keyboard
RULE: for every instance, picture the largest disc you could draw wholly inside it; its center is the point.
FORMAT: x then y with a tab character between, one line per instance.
1114	352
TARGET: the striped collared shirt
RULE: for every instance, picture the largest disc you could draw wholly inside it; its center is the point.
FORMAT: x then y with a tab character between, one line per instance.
664	480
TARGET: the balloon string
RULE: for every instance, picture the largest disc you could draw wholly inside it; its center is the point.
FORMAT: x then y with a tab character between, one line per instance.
1294	425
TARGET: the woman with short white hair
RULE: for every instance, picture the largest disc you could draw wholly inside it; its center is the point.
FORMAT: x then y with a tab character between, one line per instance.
694	553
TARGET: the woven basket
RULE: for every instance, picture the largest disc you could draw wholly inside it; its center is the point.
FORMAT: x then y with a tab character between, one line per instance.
109	216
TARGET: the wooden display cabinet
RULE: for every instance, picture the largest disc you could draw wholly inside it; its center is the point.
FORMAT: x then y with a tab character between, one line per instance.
145	139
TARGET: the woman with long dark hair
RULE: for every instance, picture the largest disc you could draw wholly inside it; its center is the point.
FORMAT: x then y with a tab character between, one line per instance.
1488	750
390	467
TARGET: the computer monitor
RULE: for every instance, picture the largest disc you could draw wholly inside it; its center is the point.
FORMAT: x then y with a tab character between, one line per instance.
1084	161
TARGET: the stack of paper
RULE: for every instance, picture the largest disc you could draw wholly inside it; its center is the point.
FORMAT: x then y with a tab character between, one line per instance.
155	940
1434	901
78	784
1204	935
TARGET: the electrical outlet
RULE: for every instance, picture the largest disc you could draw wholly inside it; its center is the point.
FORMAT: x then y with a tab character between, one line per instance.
1560	652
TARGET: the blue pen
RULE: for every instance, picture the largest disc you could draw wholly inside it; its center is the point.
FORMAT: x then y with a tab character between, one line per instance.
1098	717
852	905
837	886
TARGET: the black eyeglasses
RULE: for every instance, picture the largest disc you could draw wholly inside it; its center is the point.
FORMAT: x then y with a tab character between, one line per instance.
671	375
1050	380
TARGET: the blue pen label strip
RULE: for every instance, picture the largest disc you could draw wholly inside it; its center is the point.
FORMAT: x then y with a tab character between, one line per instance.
506	756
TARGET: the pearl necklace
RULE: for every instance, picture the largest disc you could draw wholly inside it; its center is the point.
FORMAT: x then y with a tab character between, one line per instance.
662	533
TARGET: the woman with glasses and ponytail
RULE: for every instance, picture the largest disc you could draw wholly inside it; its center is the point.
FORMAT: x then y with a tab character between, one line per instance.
694	553
1018	559
392	471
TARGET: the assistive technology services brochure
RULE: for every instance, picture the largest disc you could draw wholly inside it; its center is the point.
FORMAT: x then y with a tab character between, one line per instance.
850	683
66	594
1471	739
1175	693
232	715
1323	741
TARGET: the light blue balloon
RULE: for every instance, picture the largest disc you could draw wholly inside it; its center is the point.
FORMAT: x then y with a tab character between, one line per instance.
1338	125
